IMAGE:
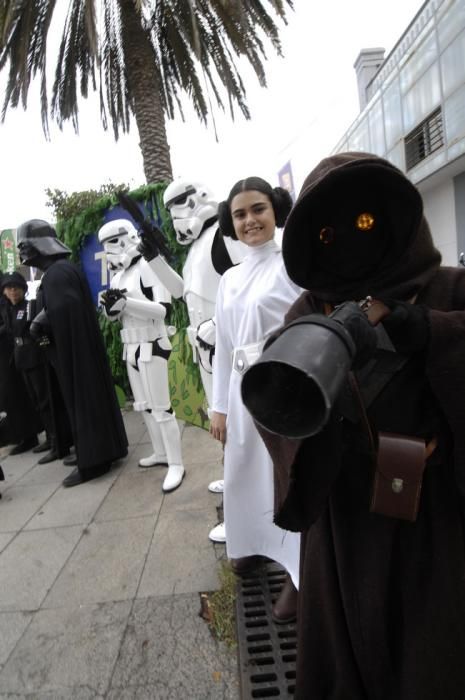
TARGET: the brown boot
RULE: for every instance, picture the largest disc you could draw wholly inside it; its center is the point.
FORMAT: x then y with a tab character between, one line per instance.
246	565
284	610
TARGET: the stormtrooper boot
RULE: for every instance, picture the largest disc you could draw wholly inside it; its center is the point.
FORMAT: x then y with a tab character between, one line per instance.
158	457
172	440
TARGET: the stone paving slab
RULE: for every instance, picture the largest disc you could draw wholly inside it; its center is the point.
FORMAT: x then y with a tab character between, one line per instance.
100	583
53	472
168	654
75	693
135	428
105	566
67	648
16	467
137	493
135	453
30	564
20	503
195	494
12	626
181	559
63	508
5	539
201	447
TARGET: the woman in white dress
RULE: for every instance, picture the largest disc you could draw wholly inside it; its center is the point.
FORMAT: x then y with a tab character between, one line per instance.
252	300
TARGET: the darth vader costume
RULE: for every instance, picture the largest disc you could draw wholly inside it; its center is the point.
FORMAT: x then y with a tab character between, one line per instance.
381	599
76	352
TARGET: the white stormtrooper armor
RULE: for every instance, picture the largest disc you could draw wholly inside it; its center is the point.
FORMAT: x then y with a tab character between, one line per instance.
139	300
194	211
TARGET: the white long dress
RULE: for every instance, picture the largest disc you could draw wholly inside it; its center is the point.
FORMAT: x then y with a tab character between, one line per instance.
252	300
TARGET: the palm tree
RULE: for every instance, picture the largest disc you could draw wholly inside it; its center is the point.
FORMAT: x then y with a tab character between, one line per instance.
141	56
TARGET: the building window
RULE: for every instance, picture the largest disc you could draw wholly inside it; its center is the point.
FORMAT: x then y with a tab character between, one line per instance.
425	138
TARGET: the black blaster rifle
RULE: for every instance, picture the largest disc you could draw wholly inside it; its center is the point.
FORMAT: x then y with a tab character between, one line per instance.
152	240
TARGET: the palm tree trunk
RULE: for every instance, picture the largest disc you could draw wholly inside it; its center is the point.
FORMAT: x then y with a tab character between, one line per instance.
145	95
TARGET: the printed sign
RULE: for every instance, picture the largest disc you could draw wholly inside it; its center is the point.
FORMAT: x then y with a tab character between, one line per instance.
286	179
8	256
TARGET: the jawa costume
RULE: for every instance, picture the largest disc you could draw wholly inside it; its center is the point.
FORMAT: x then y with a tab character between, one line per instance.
381	599
76	352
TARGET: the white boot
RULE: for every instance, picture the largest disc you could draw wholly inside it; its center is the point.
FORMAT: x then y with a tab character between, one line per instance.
158	457
173	478
153	461
218	533
171	435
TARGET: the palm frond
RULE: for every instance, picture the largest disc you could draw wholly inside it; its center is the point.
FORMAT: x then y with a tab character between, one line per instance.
139	50
193	37
77	58
24	28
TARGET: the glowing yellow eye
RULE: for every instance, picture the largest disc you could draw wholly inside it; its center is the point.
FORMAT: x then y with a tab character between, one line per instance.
327	235
365	221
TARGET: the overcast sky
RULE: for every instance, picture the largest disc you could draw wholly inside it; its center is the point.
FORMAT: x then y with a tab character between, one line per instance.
311	92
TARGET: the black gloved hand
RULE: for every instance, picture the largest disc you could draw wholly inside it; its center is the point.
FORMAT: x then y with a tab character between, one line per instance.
148	246
350	315
407	326
114	301
40	330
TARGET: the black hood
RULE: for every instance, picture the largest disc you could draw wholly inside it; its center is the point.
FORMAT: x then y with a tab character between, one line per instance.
357	229
13	279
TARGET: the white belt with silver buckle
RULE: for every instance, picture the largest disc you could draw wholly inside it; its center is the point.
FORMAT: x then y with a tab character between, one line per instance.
141	334
246	355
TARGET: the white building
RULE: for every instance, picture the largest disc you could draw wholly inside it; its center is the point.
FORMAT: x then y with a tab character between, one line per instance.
413	113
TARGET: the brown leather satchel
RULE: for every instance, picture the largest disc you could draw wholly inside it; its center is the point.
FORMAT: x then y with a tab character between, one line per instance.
400	463
398	476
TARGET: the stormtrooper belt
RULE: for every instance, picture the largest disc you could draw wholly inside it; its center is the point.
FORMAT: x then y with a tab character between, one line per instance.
143	334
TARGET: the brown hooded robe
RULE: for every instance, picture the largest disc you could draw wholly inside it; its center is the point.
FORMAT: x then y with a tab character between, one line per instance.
382	601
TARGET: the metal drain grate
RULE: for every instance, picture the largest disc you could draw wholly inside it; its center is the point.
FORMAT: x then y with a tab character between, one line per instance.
267	652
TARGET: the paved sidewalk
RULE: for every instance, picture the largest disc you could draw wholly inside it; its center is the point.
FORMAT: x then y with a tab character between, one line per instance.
99	584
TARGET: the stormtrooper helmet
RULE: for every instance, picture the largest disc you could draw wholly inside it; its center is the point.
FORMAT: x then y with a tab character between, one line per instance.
190	205
120	240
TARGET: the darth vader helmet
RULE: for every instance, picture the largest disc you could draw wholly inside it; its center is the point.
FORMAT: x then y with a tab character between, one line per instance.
37	240
120	240
190	205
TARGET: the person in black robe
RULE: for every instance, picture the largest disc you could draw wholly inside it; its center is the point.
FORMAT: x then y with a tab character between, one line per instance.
381	598
21	421
76	351
29	357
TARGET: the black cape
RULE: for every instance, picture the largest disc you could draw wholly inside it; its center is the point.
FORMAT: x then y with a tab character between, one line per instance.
79	358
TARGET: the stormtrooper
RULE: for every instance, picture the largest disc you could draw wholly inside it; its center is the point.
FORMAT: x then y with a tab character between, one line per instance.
194	212
140	296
